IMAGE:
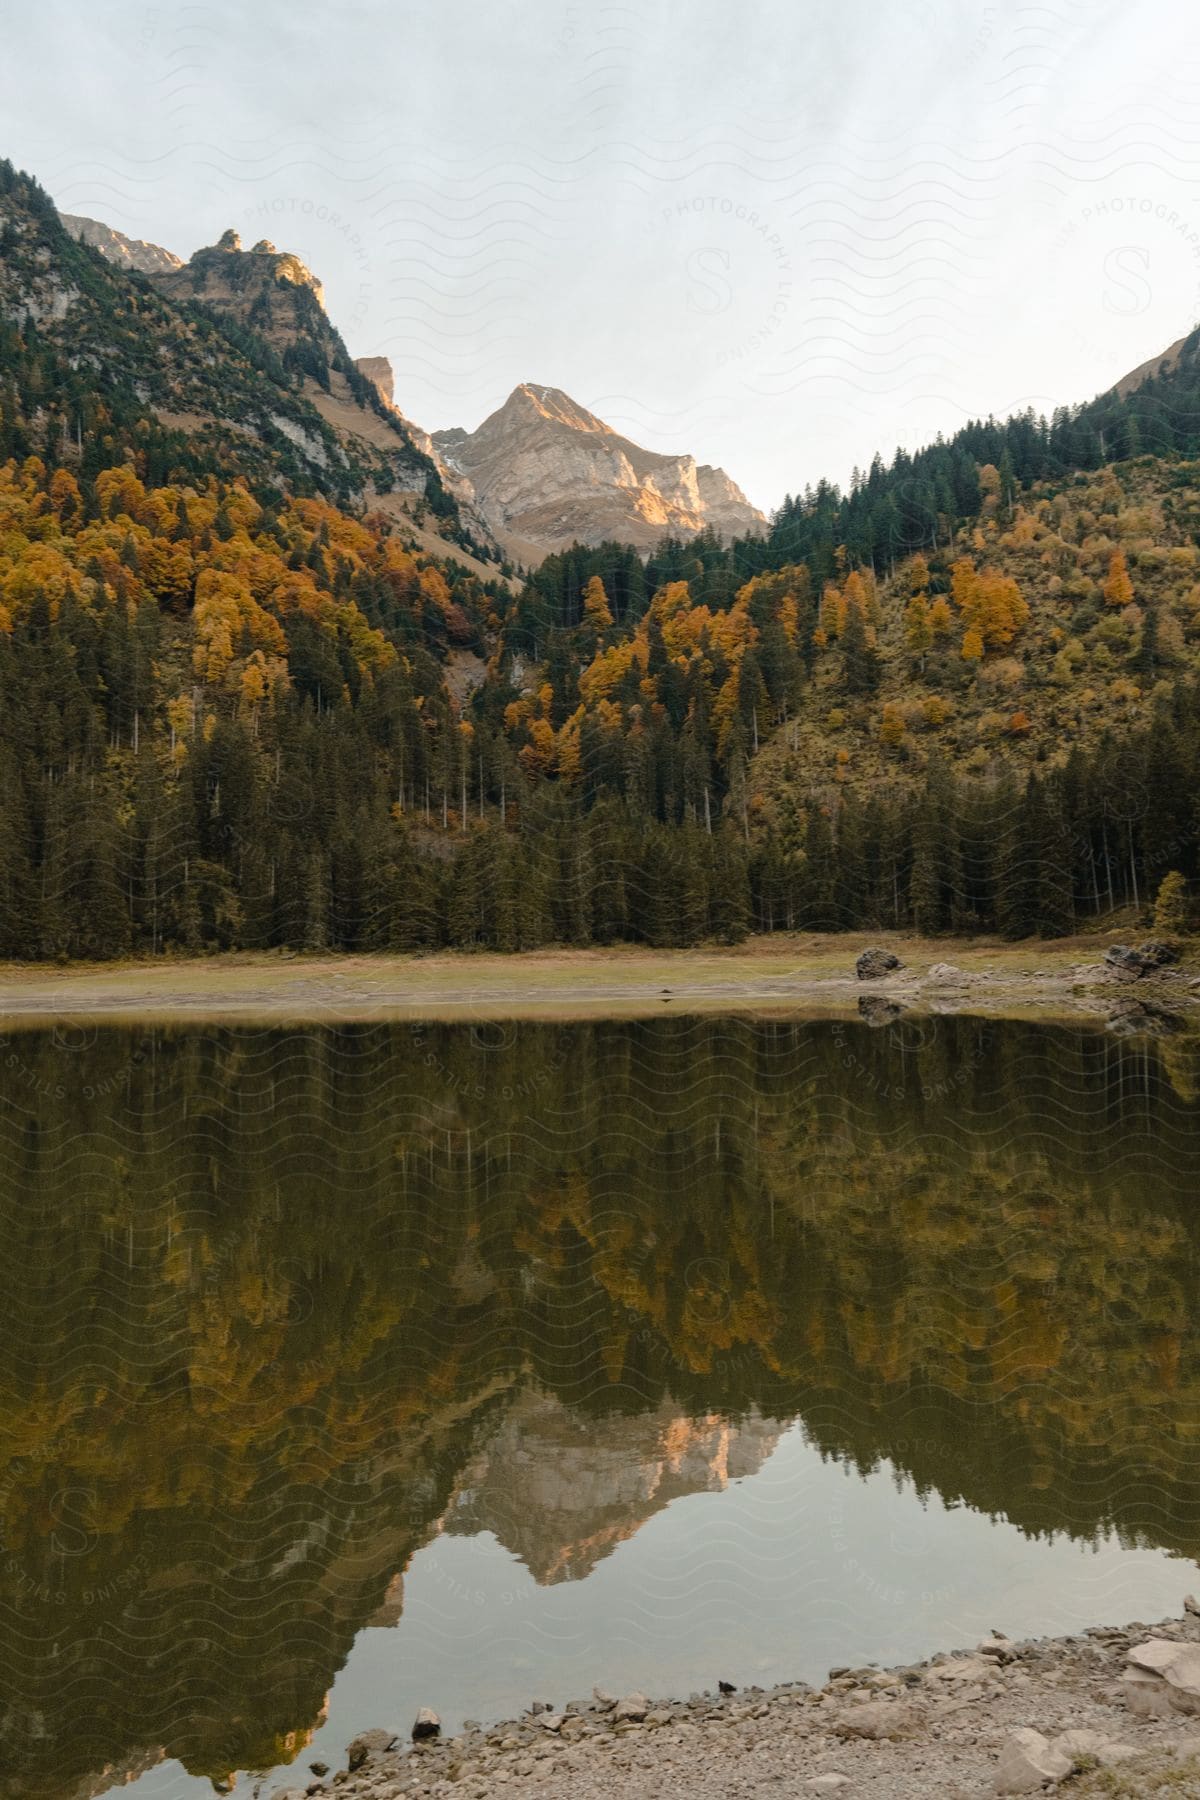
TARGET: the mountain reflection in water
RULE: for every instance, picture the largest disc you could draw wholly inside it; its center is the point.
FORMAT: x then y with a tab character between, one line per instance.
286	1306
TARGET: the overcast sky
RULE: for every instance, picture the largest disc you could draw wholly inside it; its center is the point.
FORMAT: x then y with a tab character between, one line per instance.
779	235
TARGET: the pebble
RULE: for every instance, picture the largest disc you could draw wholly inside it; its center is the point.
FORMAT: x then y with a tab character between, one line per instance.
976	1722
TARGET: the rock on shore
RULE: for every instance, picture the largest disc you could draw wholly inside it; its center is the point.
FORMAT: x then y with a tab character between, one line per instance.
1111	1711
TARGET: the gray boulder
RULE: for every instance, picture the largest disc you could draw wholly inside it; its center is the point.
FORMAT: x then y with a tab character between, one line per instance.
368	1743
1141	1018
876	1010
879	1719
874	963
1163	1676
1028	1762
1157	953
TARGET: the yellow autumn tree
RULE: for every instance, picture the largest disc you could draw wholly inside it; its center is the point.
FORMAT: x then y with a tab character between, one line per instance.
856	594
254	682
988	601
989	486
918	632
1118	588
831	613
941	619
892	726
65	497
567	758
537	756
596	610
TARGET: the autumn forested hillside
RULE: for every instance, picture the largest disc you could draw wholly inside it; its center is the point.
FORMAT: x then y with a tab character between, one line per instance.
246	703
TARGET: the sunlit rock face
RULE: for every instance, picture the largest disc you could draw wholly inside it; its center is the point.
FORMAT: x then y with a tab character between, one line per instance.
562	1490
547	473
240	282
115	247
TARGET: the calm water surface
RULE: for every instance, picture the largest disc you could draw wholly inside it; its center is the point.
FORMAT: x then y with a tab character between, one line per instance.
349	1370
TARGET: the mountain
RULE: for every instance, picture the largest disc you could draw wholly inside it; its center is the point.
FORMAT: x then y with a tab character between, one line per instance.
261	689
562	1490
1166	363
225	362
537	475
271	294
546	473
379	372
127	253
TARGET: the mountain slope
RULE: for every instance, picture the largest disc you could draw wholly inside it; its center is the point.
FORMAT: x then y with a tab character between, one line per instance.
179	596
272	294
546	473
128	253
377	370
1043	625
1166	363
245	705
118	360
270	308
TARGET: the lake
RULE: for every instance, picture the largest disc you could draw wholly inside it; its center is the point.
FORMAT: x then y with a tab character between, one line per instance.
348	1370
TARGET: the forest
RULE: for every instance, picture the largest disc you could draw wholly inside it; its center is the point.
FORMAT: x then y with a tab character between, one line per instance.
242	709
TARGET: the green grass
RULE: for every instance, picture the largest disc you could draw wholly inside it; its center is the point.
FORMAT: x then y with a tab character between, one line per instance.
1158	1773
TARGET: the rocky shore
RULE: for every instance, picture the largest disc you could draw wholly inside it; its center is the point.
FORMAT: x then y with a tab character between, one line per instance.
1113	1711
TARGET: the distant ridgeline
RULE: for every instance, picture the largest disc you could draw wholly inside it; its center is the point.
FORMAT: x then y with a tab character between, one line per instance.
262	682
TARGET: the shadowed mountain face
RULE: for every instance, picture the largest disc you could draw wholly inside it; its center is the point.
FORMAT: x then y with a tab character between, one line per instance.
547	473
293	1304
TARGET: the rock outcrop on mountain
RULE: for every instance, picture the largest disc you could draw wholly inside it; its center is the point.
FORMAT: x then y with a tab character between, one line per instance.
274	294
1165	363
233	352
379	372
125	252
257	287
562	1490
546	473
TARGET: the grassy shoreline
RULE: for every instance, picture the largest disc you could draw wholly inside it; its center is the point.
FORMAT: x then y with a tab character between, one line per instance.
801	973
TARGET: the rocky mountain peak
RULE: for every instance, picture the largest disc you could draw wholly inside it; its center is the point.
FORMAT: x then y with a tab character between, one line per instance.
545	472
529	400
225	274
